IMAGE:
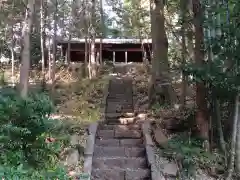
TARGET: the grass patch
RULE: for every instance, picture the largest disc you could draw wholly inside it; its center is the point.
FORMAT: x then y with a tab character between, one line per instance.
190	156
81	99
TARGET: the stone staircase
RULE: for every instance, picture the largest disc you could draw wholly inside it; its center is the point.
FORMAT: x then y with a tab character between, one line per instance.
119	151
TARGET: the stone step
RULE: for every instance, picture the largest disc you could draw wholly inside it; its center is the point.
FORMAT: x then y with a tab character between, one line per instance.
115	95
123	132
101	151
120	142
140	174
119	115
119	132
105	134
113	110
112	127
119	102
119	163
120	121
109	174
115	99
119	96
113	114
118	90
120	105
128	107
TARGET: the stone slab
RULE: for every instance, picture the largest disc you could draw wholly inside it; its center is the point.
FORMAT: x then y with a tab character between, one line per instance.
146	127
107	142
150	155
148	140
105	134
140	174
87	167
109	151
93	128
135	152
131	142
114	163
98	174
123	133
89	148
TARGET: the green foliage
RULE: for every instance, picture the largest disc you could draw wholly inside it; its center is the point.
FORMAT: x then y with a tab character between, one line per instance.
23	174
188	150
2	78
35	48
24	128
221	70
133	19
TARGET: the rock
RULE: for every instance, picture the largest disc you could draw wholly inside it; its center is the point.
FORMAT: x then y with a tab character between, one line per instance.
127	120
75	140
72	158
142	105
128	114
142	116
200	175
113	115
142	108
170	169
167	168
160	136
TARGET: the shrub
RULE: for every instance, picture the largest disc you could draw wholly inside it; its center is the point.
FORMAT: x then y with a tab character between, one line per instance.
191	155
24	127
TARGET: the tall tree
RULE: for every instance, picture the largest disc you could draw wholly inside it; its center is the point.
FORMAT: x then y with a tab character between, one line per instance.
201	92
92	61
25	55
43	37
160	88
103	29
54	41
86	53
183	4
73	4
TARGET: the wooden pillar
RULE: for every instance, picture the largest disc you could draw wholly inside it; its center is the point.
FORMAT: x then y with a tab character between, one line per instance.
126	57
144	56
62	51
98	58
114	57
68	54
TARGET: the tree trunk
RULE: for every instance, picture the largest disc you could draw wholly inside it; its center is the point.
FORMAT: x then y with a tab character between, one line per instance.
49	59
235	137
86	37
12	55
160	86
103	33
53	69
92	61
43	37
184	51
70	33
25	54
190	34
68	49
202	118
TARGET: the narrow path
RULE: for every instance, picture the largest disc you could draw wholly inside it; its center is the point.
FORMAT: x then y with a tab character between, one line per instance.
119	152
